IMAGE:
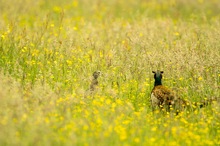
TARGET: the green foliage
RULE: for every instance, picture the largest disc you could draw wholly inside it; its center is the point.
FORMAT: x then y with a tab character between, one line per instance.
49	50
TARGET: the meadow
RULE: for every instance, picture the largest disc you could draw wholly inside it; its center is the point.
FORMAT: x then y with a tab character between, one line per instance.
49	50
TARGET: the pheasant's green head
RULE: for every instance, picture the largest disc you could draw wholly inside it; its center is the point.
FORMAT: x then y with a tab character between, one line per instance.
158	77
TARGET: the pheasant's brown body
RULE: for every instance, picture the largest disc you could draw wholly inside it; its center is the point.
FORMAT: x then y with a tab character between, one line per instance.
162	96
94	84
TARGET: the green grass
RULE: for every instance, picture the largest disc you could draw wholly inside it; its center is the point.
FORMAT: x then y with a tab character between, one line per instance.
49	50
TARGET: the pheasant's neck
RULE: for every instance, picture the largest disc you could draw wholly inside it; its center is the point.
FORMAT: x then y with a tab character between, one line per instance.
157	82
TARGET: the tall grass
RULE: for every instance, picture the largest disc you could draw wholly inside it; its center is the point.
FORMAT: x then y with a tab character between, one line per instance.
49	50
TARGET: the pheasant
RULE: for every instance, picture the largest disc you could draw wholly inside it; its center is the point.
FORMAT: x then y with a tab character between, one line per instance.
94	82
161	96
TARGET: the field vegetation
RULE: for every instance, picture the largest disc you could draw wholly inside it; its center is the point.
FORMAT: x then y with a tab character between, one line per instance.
50	49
